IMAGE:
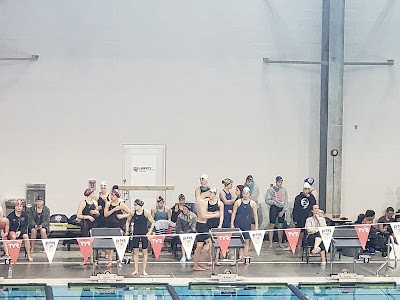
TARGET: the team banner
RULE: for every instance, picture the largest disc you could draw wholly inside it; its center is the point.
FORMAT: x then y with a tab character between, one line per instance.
85	245
257	238
50	246
292	236
223	241
156	241
362	232
326	235
13	247
187	241
396	230
121	242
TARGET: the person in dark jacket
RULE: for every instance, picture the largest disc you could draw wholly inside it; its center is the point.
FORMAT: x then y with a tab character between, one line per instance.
186	223
19	226
39	220
303	204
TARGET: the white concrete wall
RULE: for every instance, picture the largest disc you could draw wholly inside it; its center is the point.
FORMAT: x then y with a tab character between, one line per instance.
188	74
371	178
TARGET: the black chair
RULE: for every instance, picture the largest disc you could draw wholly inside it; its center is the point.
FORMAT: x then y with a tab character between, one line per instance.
61	227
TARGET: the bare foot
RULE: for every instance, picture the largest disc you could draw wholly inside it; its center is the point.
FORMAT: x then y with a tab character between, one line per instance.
205	267
145	273
198	268
270	245
134	273
29	258
282	246
119	265
109	264
217	263
286	249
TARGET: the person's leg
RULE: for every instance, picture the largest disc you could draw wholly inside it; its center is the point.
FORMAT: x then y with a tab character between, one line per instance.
246	247
323	258
135	246
33	238
145	245
43	233
27	247
280	235
300	241
273	214
135	261
109	254
145	255
199	247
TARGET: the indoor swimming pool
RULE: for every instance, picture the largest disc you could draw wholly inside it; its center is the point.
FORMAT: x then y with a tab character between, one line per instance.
199	290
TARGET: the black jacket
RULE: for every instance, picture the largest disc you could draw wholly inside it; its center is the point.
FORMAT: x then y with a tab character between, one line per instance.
302	208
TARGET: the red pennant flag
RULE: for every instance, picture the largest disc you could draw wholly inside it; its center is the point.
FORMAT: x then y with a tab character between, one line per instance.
157	241
292	236
362	232
223	240
13	246
85	245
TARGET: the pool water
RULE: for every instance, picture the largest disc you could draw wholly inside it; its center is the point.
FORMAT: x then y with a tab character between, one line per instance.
203	291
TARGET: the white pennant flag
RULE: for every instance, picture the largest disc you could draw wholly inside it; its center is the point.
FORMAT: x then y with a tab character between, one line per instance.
257	238
396	230
326	235
50	246
187	241
120	243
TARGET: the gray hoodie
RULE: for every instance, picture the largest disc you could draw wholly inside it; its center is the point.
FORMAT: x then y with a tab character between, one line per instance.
278	197
186	223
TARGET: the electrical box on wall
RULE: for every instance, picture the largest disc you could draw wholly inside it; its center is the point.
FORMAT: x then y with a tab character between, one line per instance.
33	190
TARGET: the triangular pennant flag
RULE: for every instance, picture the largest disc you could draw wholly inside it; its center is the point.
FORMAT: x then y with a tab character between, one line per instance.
257	238
85	245
13	247
120	243
224	238
187	241
396	230
362	232
326	235
292	236
157	241
50	246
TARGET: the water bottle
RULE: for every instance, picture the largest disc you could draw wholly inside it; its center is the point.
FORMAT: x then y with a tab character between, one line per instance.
9	272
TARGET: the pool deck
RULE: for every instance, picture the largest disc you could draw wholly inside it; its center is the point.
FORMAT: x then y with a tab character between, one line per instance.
273	265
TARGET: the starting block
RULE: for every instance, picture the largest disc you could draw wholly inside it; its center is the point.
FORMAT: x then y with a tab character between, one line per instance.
106	278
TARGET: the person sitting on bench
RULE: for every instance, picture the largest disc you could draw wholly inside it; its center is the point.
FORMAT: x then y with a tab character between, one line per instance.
39	220
19	226
314	238
5	227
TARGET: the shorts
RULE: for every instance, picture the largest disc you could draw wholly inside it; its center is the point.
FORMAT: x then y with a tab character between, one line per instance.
13	232
273	214
201	228
137	239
